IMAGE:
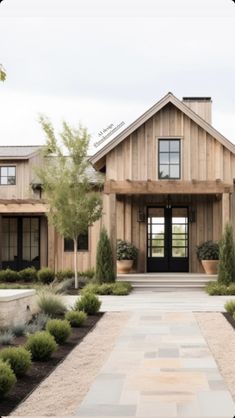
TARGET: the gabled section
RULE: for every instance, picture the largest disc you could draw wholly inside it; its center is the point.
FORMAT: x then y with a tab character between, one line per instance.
23	152
98	159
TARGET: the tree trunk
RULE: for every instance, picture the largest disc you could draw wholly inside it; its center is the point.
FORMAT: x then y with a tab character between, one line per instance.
75	264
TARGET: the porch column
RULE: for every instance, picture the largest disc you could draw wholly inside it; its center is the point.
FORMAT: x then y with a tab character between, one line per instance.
1	239
225	210
113	225
51	247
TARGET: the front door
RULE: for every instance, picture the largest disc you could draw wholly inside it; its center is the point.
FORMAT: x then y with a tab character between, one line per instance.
167	241
20	242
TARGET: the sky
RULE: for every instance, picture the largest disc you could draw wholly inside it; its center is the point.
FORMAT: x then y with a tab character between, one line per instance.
104	62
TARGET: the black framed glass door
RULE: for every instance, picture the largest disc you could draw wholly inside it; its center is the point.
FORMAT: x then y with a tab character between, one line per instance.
167	240
20	242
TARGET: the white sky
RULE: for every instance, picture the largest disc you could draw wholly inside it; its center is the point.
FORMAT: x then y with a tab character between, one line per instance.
102	62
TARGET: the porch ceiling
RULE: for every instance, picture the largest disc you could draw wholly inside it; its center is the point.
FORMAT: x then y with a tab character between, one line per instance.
167	187
22	206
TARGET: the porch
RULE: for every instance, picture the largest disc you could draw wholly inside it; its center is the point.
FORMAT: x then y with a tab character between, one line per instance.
166	220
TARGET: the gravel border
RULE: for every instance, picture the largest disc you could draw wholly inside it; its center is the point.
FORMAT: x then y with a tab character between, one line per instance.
220	337
63	391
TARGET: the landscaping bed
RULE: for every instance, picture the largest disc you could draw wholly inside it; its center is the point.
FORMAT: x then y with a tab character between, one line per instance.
40	370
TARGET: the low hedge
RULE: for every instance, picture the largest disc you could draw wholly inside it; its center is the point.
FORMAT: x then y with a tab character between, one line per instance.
217	289
41	345
59	329
9	276
28	275
76	318
46	275
88	303
117	289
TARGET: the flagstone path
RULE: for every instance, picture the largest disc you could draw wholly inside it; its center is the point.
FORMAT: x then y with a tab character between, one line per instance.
160	366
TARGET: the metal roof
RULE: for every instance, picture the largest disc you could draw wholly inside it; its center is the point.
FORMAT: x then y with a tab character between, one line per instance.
17	151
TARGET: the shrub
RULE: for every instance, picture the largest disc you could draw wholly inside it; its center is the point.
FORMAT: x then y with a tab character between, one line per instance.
208	251
88	303
46	275
120	289
91	288
41	345
231	289
51	304
19	329
104	259
28	275
89	273
126	250
60	329
117	289
65	274
18	358
75	318
7	378
9	276
230	306
6	337
215	288
226	273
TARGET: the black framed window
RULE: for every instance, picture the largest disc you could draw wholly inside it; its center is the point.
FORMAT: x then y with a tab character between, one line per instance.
82	243
169	159
7	176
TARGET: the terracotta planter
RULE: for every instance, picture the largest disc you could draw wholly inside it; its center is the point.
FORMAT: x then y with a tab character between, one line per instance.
210	266
124	266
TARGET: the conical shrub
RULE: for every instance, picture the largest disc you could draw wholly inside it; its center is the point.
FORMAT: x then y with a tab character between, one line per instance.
226	273
104	259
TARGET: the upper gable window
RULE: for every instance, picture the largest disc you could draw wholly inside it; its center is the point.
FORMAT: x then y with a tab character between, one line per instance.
7	176
169	159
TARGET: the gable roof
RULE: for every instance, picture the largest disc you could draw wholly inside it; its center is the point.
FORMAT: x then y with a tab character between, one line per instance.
18	152
169	98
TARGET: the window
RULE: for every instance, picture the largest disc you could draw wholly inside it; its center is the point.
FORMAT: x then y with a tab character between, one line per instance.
169	159
7	176
30	239
82	244
9	239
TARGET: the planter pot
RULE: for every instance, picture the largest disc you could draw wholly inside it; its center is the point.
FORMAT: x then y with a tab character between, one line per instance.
124	266
210	266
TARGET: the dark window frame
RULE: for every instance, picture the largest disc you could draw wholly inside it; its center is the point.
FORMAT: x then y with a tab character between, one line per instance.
69	247
169	164
7	176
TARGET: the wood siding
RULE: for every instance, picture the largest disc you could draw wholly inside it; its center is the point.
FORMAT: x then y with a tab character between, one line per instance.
202	156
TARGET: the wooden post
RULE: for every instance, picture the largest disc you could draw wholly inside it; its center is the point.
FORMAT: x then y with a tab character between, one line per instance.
225	210
1	238
51	247
113	225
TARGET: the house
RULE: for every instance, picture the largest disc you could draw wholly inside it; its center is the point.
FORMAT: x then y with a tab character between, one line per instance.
168	187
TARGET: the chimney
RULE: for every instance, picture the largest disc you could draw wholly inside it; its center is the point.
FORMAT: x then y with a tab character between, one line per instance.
200	105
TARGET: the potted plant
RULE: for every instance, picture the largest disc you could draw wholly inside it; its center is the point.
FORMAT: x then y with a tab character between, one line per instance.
208	254
126	255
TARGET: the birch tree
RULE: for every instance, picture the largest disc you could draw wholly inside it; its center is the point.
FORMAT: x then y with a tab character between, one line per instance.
74	205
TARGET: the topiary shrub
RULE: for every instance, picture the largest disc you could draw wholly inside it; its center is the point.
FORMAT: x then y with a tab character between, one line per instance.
51	304
60	329
18	358
230	306
226	273
46	275
105	272
76	318
41	345
7	379
28	275
9	276
88	303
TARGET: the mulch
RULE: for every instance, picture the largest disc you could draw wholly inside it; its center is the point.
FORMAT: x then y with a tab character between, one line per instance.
229	319
41	370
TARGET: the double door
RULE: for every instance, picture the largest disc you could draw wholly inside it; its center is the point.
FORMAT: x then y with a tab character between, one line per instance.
167	239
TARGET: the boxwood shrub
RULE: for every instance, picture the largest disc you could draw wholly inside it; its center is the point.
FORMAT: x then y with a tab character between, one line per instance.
76	318
41	345
7	378
46	275
88	303
9	275
18	358
28	275
60	329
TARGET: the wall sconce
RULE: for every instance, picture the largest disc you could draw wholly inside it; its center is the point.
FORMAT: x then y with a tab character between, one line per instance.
141	216
192	216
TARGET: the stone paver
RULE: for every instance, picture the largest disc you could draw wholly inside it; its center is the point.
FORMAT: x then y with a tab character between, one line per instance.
160	366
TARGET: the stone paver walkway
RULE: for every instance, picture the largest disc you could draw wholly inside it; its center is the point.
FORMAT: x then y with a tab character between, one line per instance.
160	366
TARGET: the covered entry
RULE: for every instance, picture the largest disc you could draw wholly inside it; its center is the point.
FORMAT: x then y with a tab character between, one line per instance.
167	239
